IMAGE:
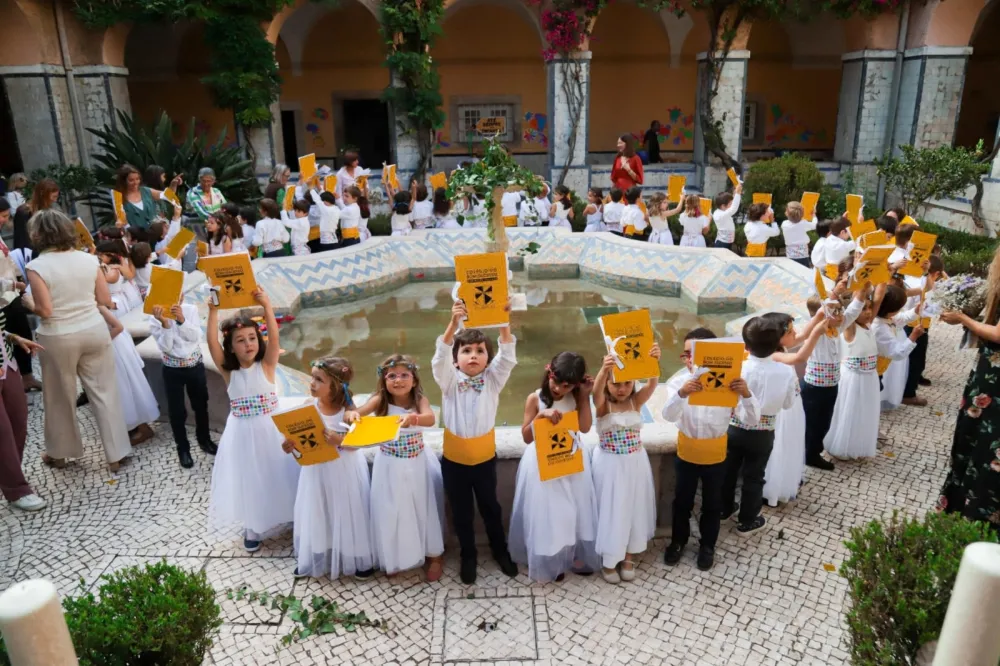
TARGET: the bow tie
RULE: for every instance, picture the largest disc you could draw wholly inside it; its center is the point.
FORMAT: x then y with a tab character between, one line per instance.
474	383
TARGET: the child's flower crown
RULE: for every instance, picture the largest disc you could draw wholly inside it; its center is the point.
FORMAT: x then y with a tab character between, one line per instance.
412	367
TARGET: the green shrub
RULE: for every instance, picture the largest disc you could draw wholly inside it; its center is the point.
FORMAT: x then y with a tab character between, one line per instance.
785	178
380	225
963	252
157	615
74	182
921	174
900	575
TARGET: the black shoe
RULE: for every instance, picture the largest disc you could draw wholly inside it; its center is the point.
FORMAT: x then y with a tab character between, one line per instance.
923	381
746	529
706	558
251	545
296	574
820	463
672	555
364	574
467	571
560	578
82	400
208	447
185	457
506	564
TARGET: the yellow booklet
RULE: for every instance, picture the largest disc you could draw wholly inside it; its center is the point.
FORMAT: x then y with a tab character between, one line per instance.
313	233
171	196
372	431
554	447
304	427
629	336
307	167
119	203
330	184
439	180
389	175
482	285
202	249
873	238
675	187
719	364
165	287
921	245
820	285
289	201
733	178
924	322
872	266
854	205
362	183
762	197
706	206
809	201
233	277
179	242
908	220
83	238
859	229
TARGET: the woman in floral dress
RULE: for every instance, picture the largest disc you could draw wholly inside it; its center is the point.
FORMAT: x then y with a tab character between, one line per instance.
973	483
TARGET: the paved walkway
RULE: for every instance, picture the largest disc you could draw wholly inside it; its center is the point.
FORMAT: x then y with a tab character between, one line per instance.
771	598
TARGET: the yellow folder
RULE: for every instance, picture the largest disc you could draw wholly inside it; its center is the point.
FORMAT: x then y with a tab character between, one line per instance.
706	207
921	245
675	187
482	285
362	183
165	287
733	178
119	203
873	238
202	249
872	266
330	184
372	431
289	201
439	180
304	427
762	197
630	336
820	284
809	201
179	242
722	362
859	229
171	196
554	447
389	176
908	220
925	322
307	167
233	276
83	238
854	204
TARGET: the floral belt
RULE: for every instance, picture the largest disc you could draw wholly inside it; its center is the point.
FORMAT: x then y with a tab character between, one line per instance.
273	246
409	445
797	251
174	362
861	363
621	441
253	405
822	374
767	422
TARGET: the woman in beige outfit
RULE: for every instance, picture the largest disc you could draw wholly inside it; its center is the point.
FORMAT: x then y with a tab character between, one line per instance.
66	287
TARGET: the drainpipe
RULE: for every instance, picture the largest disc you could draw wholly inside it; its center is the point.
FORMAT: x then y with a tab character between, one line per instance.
890	126
74	104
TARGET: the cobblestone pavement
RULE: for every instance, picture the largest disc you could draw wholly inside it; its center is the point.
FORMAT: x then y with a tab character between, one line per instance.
771	598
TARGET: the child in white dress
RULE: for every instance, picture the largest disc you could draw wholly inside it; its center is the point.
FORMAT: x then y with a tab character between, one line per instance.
139	407
253	482
660	213
333	531
473	212
595	218
422	209
623	477
613	212
141	256
407	507
298	226
561	211
402	219
696	226
443	219
894	346
119	274
553	524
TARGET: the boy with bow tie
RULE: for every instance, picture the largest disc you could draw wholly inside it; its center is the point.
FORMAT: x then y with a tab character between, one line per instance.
471	379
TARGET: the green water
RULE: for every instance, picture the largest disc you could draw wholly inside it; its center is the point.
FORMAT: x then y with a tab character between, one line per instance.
562	316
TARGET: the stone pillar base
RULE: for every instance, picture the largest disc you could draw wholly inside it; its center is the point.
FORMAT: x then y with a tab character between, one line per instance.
930	95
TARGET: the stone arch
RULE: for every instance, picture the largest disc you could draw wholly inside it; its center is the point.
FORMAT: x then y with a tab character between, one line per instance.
979	113
273	29
29	35
531	16
950	23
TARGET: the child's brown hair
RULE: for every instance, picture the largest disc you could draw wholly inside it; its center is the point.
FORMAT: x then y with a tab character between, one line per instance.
140	254
813	305
692	205
794	211
723	199
340	372
654	203
839	226
757	211
904	233
471	336
229	328
385	398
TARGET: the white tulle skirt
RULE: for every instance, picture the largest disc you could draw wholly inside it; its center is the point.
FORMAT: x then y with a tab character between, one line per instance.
333	527
253	480
663	237
560	223
138	402
407	509
787	464
693	240
553	523
894	383
854	429
626	504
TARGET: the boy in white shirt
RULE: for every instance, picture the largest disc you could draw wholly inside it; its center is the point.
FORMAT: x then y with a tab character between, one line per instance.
838	246
613	212
298	226
701	454
749	444
726	206
818	254
328	222
633	219
759	228
471	379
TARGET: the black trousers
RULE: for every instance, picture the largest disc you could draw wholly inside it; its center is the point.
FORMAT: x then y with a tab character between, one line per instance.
325	247
175	382
711	477
818	403
804	261
462	483
746	455
314	245
918	361
276	253
18	324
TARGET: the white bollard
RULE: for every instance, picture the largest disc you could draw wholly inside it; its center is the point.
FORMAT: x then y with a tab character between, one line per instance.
970	636
34	627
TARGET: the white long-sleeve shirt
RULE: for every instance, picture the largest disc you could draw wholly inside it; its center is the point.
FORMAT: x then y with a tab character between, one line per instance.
773	384
823	366
693	226
179	341
837	249
633	217
471	413
350	216
271	234
818	255
796	236
329	220
758	232
613	212
890	337
299	232
700	422
725	225
303	192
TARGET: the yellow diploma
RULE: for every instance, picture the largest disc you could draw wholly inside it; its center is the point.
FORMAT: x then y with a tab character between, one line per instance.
177	244
854	204
482	286
762	197
809	201
119	203
202	249
873	238
83	238
820	285
389	176
232	276
554	447
872	266
165	287
439	180
675	187
629	337
307	167
722	363
330	184
706	206
859	229
921	245
733	178
372	431
304	427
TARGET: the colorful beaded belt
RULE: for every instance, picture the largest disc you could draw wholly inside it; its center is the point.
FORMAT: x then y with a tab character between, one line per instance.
409	445
822	374
767	422
622	441
861	363
797	251
273	246
174	362
253	405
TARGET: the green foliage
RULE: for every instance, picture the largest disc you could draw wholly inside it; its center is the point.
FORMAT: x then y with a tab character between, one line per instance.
139	145
922	174
785	178
157	615
900	575
74	182
963	252
380	225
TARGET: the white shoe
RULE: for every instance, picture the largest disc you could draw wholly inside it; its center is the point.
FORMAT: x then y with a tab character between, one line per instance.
627	573
30	502
611	577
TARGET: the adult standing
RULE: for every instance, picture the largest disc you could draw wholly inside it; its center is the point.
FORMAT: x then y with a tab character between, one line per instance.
277	183
67	286
15	190
627	170
44	196
972	486
204	198
139	201
155	178
348	176
651	141
12	287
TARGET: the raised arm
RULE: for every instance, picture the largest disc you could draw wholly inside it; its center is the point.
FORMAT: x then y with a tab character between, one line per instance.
802	355
273	353
646	392
212	338
601	383
676	210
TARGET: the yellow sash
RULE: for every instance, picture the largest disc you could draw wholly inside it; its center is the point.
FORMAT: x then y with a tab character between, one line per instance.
510	220
350	232
922	321
469	451
756	249
701	451
882	365
832	271
629	230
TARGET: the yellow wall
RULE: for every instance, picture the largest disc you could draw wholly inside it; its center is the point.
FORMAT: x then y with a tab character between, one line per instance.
633	83
492	50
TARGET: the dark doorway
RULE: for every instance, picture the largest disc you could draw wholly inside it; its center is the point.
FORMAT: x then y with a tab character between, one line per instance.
290	138
10	155
366	127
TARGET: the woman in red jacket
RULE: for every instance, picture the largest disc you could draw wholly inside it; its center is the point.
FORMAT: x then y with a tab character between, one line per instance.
627	170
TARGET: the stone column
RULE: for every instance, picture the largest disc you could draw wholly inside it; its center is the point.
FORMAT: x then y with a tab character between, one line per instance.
43	123
405	146
727	107
865	95
267	144
930	95
568	90
102	91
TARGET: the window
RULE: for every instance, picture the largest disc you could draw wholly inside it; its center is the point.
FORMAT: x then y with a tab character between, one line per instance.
750	121
470	114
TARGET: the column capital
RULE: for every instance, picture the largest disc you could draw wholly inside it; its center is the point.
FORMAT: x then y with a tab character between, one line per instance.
869	54
576	55
736	54
938	52
33	70
91	70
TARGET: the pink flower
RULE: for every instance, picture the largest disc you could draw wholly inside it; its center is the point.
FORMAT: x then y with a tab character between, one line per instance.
942	503
974	412
982	401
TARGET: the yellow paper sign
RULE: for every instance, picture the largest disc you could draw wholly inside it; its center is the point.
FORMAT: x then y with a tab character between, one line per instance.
439	180
921	245
872	267
908	220
305	428
733	178
873	238
202	249
372	431
809	201
706	206
820	285
493	125
854	204
119	203
675	187
177	244
389	176
642	206
859	229
629	336
165	287
722	362
330	184
361	182
483	288
510	220
83	238
762	197
232	276
307	167
554	447
756	249
171	196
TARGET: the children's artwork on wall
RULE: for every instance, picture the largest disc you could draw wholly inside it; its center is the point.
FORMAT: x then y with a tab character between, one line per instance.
535	125
440	142
676	131
321	114
784	129
313	130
